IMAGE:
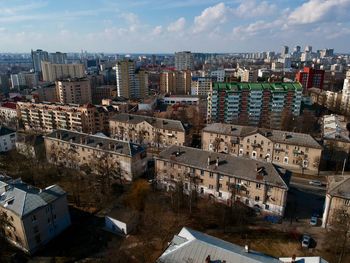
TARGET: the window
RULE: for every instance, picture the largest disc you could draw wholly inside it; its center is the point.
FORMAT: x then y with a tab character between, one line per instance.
258	186
247	201
211	175
347	202
202	172
211	186
285	160
267	207
186	186
220	194
238	181
257	198
248	140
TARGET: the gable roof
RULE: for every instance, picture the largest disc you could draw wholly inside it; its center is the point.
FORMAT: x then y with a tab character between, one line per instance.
229	165
22	199
194	246
277	136
159	123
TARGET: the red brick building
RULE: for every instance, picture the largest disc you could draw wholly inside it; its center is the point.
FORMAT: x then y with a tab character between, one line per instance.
310	78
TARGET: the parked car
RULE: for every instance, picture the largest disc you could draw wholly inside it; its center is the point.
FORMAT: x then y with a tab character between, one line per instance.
305	242
313	221
315	183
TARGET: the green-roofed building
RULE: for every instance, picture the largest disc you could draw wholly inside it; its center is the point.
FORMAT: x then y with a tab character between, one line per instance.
253	103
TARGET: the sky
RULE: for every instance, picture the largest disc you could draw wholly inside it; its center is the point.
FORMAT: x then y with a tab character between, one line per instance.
166	26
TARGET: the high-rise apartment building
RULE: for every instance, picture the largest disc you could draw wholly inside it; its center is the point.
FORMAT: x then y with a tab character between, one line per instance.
253	103
24	80
58	58
285	51
52	72
310	78
345	102
176	82
247	75
201	86
38	56
131	82
184	60
46	117
76	91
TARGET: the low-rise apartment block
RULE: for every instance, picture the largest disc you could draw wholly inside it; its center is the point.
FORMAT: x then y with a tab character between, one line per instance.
74	150
337	199
7	139
147	130
35	215
223	177
46	117
287	149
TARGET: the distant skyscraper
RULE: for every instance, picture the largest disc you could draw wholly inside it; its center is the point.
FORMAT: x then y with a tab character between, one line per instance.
285	51
58	58
297	49
308	49
184	60
131	83
38	56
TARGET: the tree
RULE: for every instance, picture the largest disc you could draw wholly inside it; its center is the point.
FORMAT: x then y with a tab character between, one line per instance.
4	225
339	235
135	198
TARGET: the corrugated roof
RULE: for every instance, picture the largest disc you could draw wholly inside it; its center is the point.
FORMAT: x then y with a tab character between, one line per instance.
194	246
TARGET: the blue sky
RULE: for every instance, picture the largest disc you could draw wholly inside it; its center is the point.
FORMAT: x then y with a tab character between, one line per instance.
156	26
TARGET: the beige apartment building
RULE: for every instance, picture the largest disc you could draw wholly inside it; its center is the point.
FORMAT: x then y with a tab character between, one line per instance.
76	91
223	177
36	216
53	72
287	149
147	130
176	82
337	199
46	117
74	150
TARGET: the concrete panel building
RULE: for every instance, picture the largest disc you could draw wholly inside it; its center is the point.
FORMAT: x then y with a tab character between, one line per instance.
52	71
75	91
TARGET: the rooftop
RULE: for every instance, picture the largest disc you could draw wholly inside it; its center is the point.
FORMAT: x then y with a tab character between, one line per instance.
93	141
22	199
278	136
159	123
194	246
274	87
340	186
229	165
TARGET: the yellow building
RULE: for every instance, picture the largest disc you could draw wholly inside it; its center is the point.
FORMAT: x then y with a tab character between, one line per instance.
223	177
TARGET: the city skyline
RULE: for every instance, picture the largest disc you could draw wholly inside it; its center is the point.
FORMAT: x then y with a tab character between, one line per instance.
164	26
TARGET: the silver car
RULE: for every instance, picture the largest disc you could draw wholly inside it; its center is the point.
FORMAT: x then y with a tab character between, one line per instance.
306	241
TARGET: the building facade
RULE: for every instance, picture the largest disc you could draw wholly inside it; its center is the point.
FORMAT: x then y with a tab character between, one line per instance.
201	86
7	139
52	71
147	130
175	82
8	113
345	101
36	215
38	56
253	103
74	150
287	149
184	60
24	80
310	78
75	91
337	199
46	117
223	177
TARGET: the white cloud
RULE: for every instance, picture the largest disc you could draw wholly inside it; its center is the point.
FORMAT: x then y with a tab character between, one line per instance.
177	26
253	8
130	18
319	10
210	17
157	30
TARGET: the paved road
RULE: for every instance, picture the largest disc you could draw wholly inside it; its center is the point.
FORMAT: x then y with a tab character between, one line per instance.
303	184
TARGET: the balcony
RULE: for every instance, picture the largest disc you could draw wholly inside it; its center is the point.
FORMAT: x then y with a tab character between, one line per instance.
298	152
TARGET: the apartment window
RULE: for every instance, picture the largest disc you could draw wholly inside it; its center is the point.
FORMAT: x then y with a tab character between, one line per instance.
347	202
202	172
257	198
220	194
258	186
238	181
267	207
247	201
247	192
248	140
211	186
287	147
211	175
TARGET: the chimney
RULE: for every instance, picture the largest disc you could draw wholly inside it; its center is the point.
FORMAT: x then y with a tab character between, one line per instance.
217	161
208	160
246	248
